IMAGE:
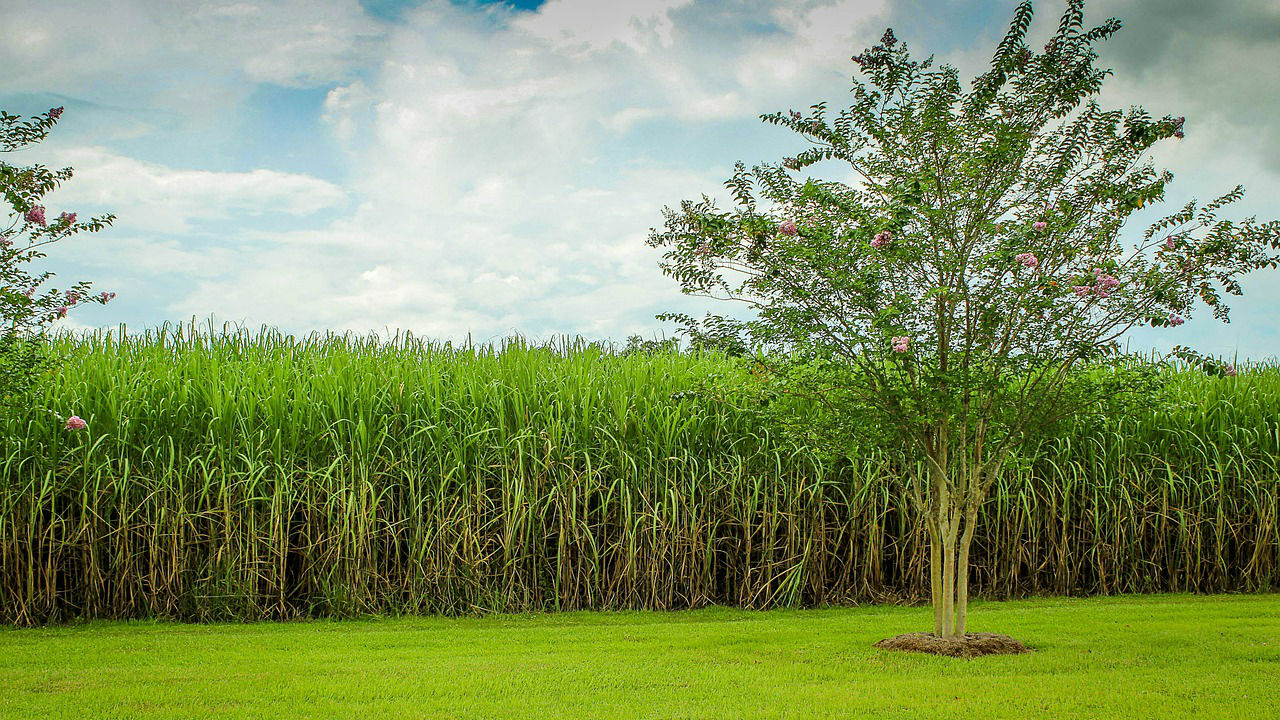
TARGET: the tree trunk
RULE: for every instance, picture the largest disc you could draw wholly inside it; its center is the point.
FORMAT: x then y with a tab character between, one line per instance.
951	521
935	574
962	570
949	577
948	585
949	495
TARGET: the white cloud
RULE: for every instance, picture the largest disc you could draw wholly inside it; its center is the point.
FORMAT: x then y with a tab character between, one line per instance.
496	192
583	26
153	197
186	57
500	192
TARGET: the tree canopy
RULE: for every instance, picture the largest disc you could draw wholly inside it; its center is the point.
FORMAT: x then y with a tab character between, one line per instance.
952	285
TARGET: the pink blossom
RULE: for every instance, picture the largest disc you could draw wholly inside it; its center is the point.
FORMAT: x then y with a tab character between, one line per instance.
1229	370
1179	134
1039	225
1027	259
1104	283
107	297
1169	242
70	218
55	113
62	311
72	297
75	422
1082	290
1175	319
5	241
795	115
882	239
788	228
901	343
35	215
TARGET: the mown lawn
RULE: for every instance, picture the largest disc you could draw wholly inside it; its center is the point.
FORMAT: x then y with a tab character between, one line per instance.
1163	656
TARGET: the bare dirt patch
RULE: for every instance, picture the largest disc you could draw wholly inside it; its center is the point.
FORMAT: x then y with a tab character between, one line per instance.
972	645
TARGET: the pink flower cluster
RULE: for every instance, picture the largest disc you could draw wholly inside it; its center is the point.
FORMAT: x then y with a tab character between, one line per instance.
901	343
1175	319
1105	283
1102	285
35	215
1027	259
69	218
75	422
1169	242
55	113
1039	225
882	239
107	297
5	241
1230	370
788	227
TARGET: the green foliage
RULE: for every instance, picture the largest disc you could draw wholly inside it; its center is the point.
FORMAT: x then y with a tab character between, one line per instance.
251	476
21	360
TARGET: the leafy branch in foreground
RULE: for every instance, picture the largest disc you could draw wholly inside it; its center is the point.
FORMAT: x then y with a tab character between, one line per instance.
27	310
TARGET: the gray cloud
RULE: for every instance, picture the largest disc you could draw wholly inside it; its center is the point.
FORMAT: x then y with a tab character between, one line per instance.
1214	62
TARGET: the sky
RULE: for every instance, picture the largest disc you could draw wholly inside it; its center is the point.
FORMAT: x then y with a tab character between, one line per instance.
467	168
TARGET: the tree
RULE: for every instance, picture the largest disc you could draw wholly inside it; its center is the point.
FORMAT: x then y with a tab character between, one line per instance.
27	310
957	290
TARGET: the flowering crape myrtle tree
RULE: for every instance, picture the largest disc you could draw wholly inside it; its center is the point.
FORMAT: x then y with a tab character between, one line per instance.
27	308
953	292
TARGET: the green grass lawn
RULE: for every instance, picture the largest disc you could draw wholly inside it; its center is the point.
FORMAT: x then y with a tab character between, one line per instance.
1166	656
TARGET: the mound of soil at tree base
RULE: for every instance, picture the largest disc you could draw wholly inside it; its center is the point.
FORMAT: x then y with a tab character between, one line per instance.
972	645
